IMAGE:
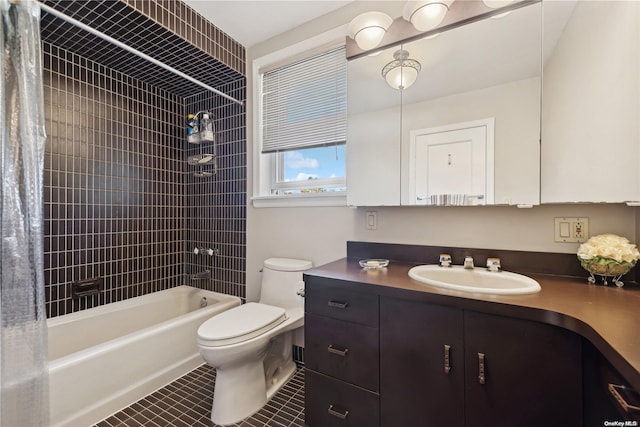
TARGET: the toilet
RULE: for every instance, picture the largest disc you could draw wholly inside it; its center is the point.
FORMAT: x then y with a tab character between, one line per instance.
250	345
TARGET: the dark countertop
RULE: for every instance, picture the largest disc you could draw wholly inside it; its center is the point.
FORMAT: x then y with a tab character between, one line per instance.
607	316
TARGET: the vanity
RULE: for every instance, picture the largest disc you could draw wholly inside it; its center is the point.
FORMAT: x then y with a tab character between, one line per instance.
383	349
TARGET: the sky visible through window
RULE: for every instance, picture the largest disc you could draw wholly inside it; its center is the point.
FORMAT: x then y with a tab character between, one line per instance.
315	163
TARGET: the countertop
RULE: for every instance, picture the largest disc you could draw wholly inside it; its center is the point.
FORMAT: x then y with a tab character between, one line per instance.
607	316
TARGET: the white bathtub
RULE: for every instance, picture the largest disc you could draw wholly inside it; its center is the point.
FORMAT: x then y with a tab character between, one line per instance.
105	358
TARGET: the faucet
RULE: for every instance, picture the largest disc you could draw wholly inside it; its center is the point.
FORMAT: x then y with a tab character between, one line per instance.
493	264
468	262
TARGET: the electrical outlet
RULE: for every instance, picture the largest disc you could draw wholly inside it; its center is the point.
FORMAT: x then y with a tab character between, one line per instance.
568	230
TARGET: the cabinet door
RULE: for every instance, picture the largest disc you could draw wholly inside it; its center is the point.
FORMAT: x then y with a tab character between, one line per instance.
416	388
592	121
530	375
373	134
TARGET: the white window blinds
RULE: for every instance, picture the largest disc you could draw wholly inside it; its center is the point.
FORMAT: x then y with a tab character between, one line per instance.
304	104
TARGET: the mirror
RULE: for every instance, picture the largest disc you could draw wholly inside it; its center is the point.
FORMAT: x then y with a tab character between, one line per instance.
485	73
373	134
591	110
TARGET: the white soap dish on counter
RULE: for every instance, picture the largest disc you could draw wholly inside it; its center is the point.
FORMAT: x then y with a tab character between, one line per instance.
374	263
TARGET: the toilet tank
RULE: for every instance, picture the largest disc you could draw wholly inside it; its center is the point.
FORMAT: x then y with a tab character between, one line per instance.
281	280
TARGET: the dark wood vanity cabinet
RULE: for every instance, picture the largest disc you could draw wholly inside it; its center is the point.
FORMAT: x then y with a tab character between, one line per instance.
341	356
447	366
380	361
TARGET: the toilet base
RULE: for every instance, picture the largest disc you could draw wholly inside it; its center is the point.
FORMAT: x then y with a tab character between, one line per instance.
284	375
241	391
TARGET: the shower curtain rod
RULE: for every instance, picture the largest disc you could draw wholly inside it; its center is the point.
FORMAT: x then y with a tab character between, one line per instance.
128	48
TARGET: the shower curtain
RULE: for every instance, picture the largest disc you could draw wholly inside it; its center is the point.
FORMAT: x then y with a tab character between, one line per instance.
23	335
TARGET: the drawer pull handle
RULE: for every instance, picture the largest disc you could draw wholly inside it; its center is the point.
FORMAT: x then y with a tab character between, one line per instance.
481	375
336	413
447	359
338	304
340	352
628	408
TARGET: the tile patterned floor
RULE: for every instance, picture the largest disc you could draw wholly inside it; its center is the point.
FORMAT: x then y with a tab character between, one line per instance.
186	402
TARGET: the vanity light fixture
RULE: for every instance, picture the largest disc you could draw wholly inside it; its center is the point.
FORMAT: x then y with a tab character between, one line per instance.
425	15
402	72
368	29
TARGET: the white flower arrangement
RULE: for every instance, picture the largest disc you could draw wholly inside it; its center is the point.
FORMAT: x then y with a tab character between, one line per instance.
609	246
608	254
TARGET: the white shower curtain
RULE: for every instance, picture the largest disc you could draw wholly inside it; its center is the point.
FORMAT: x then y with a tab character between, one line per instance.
23	335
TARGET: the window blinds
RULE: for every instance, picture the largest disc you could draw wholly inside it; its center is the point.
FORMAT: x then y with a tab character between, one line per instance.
304	104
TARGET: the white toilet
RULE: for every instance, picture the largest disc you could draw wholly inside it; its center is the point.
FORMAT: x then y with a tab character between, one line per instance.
250	345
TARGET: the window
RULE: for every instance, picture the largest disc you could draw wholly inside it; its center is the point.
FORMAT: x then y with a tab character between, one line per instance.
310	170
303	122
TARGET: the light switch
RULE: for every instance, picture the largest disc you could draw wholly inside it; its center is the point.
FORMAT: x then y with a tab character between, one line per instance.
372	220
571	230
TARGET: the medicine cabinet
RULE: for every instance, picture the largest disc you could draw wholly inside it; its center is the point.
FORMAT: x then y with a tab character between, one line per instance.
485	70
591	103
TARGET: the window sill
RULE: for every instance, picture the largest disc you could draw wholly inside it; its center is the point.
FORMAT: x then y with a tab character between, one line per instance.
302	200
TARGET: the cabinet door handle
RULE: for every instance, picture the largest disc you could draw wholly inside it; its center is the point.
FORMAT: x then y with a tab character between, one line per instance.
336	413
627	407
481	376
338	304
340	352
447	359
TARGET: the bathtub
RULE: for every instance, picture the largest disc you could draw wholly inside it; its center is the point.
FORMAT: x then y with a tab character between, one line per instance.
105	358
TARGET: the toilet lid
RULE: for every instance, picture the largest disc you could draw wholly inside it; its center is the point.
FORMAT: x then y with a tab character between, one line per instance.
240	324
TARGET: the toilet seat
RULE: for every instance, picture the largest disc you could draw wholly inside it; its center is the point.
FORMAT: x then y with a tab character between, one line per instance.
240	324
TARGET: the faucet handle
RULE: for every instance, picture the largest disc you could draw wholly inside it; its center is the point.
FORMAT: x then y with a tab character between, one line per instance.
445	260
493	264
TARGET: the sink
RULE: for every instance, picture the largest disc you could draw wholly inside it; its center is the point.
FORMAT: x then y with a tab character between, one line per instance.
477	280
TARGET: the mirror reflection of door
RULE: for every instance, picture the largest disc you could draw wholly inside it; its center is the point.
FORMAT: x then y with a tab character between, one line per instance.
452	165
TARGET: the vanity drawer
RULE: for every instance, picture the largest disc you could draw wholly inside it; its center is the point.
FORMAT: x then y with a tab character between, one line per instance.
607	395
330	402
342	350
339	303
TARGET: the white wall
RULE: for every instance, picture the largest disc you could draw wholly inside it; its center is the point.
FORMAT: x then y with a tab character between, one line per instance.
319	234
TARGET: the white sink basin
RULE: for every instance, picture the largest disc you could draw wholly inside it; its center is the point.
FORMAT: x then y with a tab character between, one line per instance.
477	280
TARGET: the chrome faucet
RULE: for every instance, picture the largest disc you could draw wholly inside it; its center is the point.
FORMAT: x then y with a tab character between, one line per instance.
468	262
493	264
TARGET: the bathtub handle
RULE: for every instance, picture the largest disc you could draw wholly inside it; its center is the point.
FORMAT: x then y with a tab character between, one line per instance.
300	292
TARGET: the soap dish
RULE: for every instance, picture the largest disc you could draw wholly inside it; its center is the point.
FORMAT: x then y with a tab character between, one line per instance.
374	264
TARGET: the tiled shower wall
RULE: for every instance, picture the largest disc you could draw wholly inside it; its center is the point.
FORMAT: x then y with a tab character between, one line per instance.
121	203
215	206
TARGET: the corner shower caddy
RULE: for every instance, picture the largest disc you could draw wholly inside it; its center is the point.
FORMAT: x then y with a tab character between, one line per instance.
208	158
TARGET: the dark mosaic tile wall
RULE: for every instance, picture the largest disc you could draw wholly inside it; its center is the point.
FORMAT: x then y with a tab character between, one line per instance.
121	203
215	209
168	31
182	20
113	183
